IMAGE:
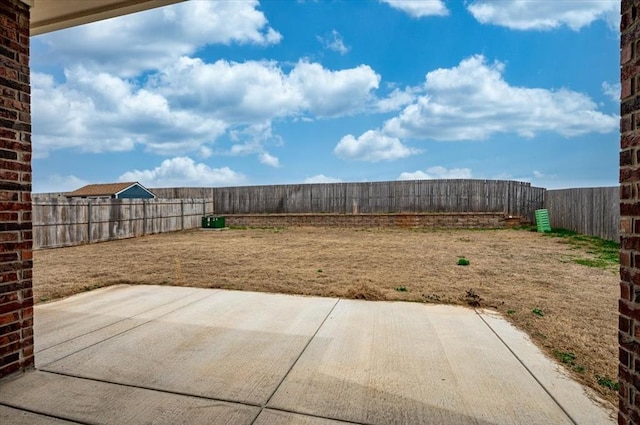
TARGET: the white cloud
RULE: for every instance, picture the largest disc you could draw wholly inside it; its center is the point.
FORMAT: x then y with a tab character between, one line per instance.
396	100
437	172
334	42
205	152
321	178
372	146
252	139
537	174
104	113
189	104
419	8
56	183
258	91
184	171
472	101
611	90
270	160
545	15
158	37
329	93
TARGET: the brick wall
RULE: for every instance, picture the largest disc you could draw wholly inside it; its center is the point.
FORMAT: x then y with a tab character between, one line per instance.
16	297
629	305
439	220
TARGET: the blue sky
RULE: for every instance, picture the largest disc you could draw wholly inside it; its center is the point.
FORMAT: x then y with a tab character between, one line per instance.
226	93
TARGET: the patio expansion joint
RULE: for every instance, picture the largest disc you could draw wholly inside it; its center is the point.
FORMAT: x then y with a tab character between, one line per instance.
264	405
127	330
42	413
546	390
148	388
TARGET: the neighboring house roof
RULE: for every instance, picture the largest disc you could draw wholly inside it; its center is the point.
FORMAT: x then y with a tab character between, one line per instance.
108	189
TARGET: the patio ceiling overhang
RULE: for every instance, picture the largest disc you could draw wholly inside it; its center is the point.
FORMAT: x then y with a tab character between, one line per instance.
52	15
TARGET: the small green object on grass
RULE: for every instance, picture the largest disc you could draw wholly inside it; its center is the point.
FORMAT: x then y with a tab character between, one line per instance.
538	312
568	358
607	382
511	312
402	289
542	221
565	357
319	270
463	261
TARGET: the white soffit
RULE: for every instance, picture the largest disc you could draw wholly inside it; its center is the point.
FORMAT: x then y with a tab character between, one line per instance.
52	15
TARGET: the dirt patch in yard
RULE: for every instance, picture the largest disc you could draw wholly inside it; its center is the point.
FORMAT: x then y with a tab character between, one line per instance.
568	309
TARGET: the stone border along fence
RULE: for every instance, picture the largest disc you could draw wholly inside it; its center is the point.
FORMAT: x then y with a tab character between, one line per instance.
58	221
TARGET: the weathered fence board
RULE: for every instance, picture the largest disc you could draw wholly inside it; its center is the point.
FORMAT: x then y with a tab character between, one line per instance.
509	197
59	222
591	211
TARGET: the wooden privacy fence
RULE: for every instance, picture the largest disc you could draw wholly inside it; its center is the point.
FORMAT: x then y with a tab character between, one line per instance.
591	211
59	222
417	196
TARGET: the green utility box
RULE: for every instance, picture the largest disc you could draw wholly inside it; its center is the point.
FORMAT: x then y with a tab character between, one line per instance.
542	221
213	222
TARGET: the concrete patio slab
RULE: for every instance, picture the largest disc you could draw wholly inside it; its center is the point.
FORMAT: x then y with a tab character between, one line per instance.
65	319
88	401
155	354
67	332
9	415
275	417
379	362
554	379
232	345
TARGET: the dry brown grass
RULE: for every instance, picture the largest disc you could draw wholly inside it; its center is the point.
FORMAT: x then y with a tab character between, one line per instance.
511	271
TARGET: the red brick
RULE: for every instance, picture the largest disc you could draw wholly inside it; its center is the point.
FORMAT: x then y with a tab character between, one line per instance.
9	365
626	54
8	277
626	124
624	357
27	293
9	318
10	348
9	338
28	352
9	236
10	307
626	158
625	222
5	298
625	291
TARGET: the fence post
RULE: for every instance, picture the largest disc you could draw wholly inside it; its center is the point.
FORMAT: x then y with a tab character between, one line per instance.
182	213
89	220
144	216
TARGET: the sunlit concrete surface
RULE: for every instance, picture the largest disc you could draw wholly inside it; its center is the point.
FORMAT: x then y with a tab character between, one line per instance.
157	354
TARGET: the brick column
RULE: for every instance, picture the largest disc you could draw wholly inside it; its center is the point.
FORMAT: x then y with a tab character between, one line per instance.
16	295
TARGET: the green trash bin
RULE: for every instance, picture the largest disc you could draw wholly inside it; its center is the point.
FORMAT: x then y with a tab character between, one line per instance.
213	222
218	222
